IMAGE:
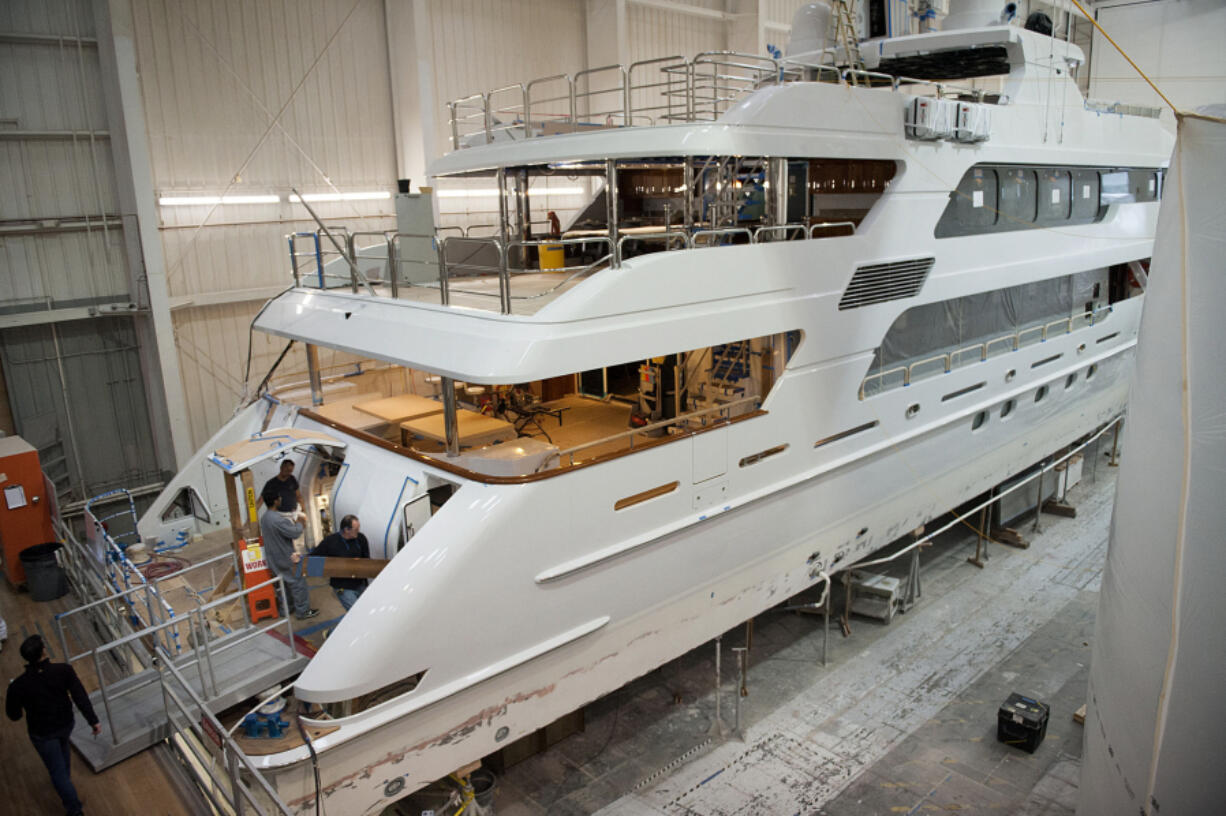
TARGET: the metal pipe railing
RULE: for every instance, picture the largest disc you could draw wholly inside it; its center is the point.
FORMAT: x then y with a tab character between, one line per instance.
992	499
698	89
1013	342
238	766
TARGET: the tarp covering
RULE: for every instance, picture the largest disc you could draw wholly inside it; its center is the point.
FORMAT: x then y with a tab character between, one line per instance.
1155	731
953	324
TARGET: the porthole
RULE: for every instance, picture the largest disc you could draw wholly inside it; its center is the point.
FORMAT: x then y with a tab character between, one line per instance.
1070	380
1012	373
1006	409
1081	348
1040	393
978	421
913	410
1091	371
863	532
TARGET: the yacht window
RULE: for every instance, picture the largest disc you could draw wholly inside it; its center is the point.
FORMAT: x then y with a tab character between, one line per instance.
187	502
973	205
1143	184
1003	198
1017	197
1085	195
1054	197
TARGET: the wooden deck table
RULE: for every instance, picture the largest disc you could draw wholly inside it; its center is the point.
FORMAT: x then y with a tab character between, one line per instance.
473	429
400	408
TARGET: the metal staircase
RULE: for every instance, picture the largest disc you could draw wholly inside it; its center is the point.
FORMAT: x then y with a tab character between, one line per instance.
165	661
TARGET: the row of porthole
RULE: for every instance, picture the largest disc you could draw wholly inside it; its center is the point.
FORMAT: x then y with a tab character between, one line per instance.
1007	406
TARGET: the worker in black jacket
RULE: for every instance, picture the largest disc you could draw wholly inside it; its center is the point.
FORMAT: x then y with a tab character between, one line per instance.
348	543
43	693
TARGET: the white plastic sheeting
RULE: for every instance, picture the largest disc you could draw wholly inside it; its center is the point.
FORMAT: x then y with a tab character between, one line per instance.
1156	714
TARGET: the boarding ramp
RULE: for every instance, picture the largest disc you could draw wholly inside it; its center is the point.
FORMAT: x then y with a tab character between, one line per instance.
129	637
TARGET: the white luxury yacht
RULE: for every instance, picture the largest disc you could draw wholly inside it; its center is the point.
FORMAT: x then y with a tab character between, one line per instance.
806	310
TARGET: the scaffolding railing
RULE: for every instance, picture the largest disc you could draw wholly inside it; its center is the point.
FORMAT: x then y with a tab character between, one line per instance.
201	740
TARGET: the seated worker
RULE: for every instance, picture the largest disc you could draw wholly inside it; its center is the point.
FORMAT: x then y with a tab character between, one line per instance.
348	543
279	532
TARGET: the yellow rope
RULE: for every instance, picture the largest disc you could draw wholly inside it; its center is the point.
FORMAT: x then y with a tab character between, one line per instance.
1123	54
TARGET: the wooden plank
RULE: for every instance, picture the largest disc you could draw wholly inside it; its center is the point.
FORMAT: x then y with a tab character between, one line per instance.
223	586
317	566
1059	508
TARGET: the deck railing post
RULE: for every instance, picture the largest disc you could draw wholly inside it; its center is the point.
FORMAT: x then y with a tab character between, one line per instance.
393	264
443	294
450	430
350	247
611	199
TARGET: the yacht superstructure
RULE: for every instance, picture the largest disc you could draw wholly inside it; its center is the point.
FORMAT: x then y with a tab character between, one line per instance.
841	302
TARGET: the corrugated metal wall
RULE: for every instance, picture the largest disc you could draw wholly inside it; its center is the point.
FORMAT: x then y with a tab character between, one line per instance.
654	32
59	244
72	388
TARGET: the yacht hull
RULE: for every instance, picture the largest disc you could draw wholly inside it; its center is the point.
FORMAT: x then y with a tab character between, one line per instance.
755	555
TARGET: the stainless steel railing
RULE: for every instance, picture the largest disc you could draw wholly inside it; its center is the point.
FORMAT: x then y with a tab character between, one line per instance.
680	90
193	728
450	258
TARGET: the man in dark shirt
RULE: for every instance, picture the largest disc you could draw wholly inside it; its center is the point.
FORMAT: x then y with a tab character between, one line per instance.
42	693
286	487
348	543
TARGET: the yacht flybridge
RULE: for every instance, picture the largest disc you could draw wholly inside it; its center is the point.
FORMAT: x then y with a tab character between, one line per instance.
805	310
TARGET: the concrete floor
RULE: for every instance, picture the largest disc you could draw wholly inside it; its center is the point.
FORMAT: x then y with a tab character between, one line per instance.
902	719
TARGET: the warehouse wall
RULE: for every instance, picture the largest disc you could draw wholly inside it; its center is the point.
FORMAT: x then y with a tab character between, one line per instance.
59	243
249	99
71	309
1178	43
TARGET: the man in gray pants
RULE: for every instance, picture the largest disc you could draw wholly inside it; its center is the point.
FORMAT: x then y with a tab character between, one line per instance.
279	534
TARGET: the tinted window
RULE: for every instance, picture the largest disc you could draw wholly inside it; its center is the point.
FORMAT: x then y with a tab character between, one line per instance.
1143	184
1017	196
1054	195
1085	195
972	207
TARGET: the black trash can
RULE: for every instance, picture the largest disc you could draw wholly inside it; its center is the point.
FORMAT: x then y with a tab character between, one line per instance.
44	575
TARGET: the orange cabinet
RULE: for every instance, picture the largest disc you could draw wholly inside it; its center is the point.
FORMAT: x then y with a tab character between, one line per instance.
25	507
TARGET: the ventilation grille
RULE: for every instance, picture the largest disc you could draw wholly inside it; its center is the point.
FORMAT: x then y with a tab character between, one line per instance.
877	283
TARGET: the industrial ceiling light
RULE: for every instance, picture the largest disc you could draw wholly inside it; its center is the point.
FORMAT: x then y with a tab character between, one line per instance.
311	198
209	201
